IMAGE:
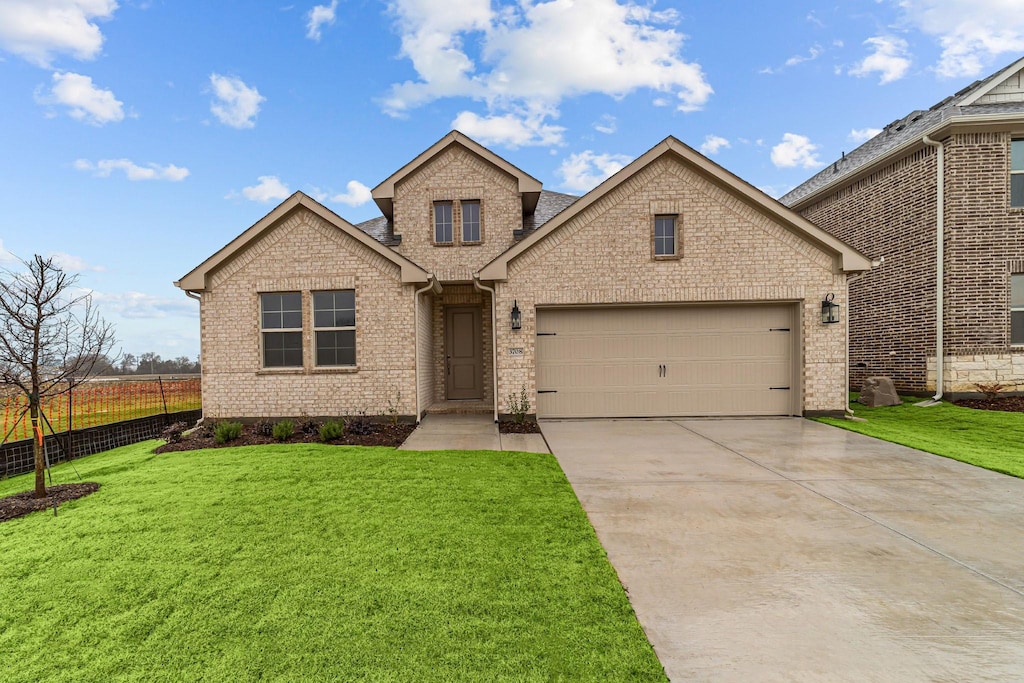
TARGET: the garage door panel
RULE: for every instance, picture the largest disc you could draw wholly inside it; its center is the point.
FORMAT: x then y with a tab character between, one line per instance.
717	360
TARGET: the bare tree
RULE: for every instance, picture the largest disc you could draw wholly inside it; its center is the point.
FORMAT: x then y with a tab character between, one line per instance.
50	337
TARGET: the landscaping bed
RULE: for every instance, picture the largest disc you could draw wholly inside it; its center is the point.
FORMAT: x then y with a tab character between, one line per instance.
357	433
1010	404
20	504
514	427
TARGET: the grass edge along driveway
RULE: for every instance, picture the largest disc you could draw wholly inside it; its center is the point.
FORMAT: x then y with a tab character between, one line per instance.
986	438
314	562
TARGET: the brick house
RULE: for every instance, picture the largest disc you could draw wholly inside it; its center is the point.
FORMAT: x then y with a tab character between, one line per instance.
884	198
673	288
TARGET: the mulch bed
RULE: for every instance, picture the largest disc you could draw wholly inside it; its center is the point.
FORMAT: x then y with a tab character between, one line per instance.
20	504
513	427
1011	404
372	434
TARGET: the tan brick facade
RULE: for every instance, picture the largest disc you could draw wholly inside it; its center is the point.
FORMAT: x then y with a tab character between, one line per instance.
735	247
891	213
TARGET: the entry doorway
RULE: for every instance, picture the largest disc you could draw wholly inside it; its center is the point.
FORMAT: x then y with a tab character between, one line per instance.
464	367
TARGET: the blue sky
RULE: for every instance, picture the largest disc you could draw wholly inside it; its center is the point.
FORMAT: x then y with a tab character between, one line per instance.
138	137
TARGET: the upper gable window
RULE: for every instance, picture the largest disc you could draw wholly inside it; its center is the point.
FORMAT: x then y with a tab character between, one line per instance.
1017	309
1017	173
443	223
470	220
666	236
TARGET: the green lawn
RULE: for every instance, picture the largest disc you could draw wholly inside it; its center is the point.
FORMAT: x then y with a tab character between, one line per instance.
986	438
310	562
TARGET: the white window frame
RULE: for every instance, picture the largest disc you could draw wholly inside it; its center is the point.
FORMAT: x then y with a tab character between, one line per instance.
264	331
346	328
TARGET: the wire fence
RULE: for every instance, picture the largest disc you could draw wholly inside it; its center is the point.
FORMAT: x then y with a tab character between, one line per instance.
100	402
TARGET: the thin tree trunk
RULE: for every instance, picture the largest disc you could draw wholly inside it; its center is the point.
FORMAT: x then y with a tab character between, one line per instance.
37	450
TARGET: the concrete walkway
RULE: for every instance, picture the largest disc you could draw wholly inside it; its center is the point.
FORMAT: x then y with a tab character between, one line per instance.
786	550
468	433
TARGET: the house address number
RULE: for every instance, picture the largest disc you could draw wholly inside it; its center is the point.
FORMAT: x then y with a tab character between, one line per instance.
515	352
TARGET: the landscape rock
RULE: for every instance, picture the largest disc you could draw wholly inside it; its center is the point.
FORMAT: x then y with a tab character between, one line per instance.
878	391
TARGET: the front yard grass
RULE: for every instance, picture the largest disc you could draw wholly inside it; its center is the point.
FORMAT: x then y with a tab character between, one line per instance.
311	562
986	438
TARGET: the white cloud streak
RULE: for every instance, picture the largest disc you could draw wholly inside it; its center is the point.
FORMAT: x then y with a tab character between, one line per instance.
318	17
84	101
356	194
607	124
713	144
268	188
7	257
796	150
584	171
38	30
236	104
511	130
105	167
889	59
859	135
139	305
74	264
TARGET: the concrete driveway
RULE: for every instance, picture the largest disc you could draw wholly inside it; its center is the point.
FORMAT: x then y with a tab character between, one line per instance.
786	550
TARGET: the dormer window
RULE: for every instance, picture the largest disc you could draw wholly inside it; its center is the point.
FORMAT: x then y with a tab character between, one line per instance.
470	220
443	223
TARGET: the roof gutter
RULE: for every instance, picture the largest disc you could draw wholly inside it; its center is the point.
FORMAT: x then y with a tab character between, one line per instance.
939	239
494	338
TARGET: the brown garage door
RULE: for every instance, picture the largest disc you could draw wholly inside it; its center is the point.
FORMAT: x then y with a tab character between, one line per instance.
667	361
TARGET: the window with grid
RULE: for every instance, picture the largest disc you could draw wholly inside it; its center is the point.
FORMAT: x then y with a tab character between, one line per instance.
470	221
664	235
281	326
1017	309
1017	173
443	222
334	322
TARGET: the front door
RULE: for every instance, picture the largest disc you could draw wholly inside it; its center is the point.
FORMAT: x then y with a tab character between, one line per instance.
463	353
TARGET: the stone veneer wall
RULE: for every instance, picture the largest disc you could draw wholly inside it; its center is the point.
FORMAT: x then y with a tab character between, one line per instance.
891	213
456	174
305	253
731	252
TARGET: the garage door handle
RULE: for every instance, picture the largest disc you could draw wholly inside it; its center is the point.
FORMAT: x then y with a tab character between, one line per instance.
778	329
547	334
779	388
547	391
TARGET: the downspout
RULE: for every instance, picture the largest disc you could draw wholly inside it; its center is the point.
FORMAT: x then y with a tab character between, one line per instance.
431	284
874	264
494	337
939	239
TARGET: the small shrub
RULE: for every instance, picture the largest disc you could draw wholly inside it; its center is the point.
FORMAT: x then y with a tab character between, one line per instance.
990	390
331	430
309	426
227	431
519	405
393	408
173	432
264	428
283	430
360	425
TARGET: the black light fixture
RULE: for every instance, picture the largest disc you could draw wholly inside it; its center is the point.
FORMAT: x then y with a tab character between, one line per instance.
517	317
829	310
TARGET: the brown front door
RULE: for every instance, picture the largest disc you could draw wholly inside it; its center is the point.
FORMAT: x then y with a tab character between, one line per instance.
463	353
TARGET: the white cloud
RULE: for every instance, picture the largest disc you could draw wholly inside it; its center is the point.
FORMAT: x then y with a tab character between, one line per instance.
584	171
863	134
73	264
356	194
510	130
607	124
531	55
713	144
795	150
890	59
104	167
813	53
318	17
40	29
237	104
138	305
6	256
85	101
972	33
268	189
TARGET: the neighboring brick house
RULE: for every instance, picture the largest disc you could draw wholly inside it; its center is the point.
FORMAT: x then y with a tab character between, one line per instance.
673	288
882	198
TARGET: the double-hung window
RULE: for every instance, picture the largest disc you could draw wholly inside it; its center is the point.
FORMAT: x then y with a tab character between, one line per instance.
1017	173
470	220
443	223
665	236
1017	309
281	327
334	322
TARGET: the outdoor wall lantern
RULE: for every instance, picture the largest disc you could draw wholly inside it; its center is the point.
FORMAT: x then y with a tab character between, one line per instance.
829	310
517	317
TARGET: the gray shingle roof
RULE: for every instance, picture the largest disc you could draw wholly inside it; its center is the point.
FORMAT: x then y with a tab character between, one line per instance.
911	127
549	205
